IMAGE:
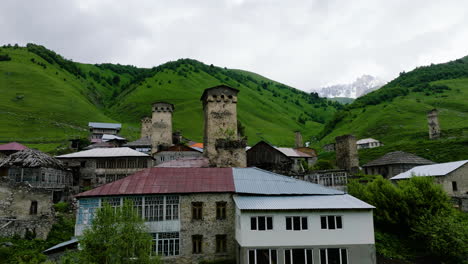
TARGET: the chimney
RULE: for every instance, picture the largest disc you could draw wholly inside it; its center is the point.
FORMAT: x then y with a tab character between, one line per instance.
222	146
146	127
346	153
298	140
161	128
433	123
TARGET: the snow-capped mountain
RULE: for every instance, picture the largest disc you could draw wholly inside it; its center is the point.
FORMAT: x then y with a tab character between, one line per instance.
363	85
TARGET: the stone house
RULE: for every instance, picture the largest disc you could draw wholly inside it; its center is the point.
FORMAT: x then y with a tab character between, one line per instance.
366	143
281	160
247	214
453	176
97	166
394	163
98	130
175	152
142	145
6	150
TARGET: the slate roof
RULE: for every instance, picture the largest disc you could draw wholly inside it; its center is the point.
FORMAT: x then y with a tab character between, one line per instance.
398	157
440	169
344	201
142	142
104	125
31	158
12	146
104	152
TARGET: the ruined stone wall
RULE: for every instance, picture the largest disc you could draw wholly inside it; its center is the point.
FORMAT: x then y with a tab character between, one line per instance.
161	129
15	210
346	153
298	140
146	124
433	123
209	227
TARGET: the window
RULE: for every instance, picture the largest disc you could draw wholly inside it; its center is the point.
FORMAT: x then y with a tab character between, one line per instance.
172	207
166	244
197	210
296	223
33	208
454	186
263	256
83	164
298	256
261	223
197	244
221	242
220	210
154	208
86	210
333	256
331	222
137	204
100	164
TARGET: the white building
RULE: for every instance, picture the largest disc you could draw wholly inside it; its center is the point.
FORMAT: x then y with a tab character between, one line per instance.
368	143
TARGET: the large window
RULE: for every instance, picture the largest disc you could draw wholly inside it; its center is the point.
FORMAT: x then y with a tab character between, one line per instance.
333	256
263	256
220	210
261	223
154	208
296	223
331	222
86	210
197	210
166	244
172	207
298	256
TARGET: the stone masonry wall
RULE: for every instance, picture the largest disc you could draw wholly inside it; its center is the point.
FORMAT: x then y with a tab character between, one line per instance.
161	129
346	153
209	227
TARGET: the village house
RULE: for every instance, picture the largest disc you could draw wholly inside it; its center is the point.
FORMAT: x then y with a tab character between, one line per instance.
366	143
247	214
334	178
6	150
97	166
282	160
142	145
453	176
98	130
35	181
394	163
175	152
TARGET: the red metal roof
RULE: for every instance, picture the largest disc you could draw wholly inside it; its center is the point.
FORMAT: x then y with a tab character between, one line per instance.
12	146
169	180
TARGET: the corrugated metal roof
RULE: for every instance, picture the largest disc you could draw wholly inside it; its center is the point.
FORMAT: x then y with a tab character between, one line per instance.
105	152
12	146
105	125
343	201
366	140
107	137
168	180
290	152
257	181
440	169
398	157
63	244
145	141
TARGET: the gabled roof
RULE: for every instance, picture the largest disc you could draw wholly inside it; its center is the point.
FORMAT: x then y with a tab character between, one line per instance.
300	202
366	140
105	125
197	145
440	169
104	152
398	157
179	148
12	146
31	158
142	142
107	137
162	180
100	145
293	153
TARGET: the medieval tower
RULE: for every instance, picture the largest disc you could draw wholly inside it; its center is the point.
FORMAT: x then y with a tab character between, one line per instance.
161	128
146	123
346	153
433	123
298	139
222	146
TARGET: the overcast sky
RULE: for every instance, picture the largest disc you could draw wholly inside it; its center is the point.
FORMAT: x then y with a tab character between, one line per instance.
306	44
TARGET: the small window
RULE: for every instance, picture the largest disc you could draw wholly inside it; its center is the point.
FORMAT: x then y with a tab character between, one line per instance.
197	244
83	164
221	242
454	186
33	208
331	222
220	210
197	211
261	223
296	223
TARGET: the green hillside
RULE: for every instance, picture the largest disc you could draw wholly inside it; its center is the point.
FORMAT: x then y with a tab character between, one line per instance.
46	99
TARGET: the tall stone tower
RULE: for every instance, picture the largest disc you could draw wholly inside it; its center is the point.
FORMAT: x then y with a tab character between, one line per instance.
161	128
346	153
221	144
298	139
146	123
433	123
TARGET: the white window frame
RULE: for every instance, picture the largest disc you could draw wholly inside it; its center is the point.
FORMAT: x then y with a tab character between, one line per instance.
255	254
326	255
266	223
305	254
166	242
328	225
301	228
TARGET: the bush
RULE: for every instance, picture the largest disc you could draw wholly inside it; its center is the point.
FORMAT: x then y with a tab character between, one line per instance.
62	207
5	57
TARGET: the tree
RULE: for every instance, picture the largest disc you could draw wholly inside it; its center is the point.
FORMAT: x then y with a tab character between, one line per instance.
116	235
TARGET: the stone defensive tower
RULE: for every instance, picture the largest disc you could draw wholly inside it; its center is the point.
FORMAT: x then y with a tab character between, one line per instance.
433	123
161	127
222	146
298	139
346	153
146	123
